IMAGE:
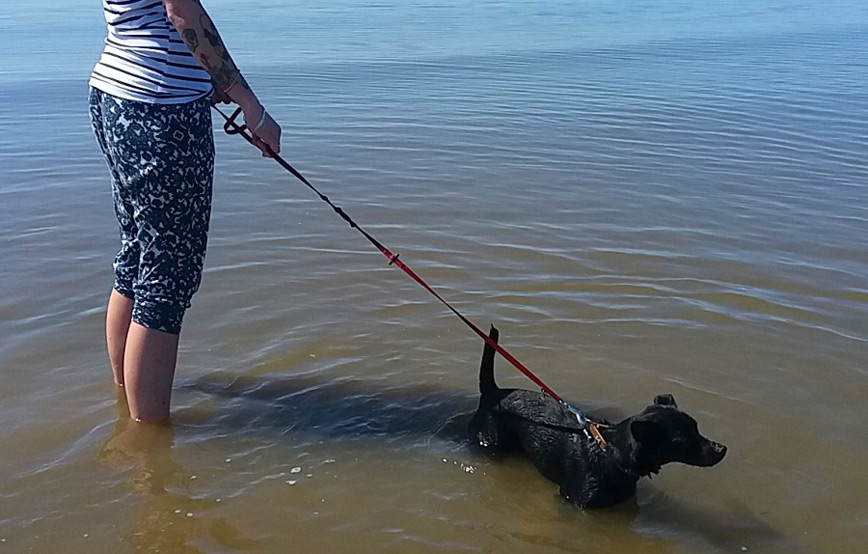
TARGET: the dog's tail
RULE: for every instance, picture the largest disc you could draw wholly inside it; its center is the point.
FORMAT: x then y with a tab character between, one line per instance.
486	370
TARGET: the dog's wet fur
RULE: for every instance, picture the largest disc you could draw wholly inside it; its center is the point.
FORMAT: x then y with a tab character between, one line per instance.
591	472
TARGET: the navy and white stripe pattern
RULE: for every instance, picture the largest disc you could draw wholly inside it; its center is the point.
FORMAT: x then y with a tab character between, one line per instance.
144	58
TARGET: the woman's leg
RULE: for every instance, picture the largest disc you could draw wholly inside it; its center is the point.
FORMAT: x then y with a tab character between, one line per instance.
161	158
149	369
143	361
104	113
117	325
173	205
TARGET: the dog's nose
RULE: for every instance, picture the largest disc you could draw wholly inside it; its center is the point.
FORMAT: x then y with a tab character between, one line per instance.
720	450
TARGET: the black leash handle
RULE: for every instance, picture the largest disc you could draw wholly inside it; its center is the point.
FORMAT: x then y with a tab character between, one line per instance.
233	128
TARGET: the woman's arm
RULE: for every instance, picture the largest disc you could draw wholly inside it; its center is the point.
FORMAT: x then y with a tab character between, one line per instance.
200	35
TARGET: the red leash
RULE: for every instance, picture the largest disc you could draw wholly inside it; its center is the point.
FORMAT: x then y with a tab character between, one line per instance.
232	128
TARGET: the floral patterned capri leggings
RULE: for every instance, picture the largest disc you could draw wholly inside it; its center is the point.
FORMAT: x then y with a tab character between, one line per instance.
161	159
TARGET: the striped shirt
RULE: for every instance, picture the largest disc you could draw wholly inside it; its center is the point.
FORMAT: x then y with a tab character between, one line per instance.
144	58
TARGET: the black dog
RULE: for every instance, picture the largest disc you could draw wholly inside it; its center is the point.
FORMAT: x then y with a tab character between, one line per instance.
596	463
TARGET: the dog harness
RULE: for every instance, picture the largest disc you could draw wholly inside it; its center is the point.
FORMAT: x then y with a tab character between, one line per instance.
590	427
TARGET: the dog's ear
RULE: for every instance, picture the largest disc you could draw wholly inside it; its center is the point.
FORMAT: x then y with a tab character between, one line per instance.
647	432
665	400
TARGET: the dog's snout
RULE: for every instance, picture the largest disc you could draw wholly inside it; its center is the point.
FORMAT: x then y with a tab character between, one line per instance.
718	452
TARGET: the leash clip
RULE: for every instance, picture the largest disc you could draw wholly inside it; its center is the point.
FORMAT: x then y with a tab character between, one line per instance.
394	258
591	428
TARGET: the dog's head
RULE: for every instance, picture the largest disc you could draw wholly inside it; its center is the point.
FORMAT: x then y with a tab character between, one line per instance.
662	434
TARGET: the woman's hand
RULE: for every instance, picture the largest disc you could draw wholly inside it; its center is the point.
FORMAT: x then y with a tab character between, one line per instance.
266	132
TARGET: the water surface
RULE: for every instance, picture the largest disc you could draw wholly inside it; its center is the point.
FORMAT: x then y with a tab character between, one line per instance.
644	197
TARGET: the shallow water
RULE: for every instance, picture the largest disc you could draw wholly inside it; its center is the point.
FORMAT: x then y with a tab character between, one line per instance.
644	197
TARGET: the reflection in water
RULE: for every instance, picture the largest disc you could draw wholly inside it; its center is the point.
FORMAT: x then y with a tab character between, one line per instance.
170	518
727	526
403	418
336	409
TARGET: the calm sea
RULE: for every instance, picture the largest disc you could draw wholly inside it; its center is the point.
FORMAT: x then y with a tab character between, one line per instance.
644	196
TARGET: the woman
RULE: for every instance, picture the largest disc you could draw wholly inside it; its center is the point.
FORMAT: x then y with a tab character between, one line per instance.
150	109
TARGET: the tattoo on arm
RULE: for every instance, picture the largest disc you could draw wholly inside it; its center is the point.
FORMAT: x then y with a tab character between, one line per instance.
223	70
224	77
191	39
204	42
210	32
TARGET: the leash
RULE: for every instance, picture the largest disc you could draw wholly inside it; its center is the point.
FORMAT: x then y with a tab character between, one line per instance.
233	128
